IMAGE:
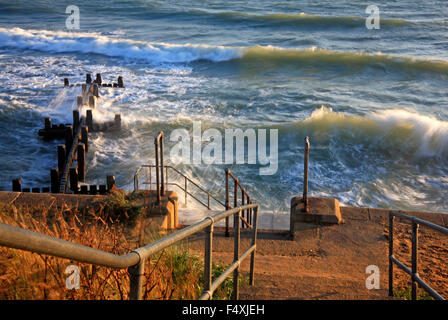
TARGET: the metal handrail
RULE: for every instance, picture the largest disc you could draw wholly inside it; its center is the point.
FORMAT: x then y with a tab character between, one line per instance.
185	189
18	238
244	196
158	142
413	270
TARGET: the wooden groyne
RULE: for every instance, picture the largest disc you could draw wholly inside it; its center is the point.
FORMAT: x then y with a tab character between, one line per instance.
70	173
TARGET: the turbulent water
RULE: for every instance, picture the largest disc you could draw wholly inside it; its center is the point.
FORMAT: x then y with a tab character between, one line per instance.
373	101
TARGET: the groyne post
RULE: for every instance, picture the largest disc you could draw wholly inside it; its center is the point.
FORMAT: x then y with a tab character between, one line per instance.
305	175
62	156
81	162
17	185
54	177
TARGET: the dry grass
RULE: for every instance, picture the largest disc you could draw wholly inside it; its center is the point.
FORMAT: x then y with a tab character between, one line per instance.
113	226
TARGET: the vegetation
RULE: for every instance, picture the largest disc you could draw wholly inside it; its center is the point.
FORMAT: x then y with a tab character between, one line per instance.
114	226
406	294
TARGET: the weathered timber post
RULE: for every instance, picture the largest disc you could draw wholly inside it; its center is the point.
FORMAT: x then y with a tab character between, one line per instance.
79	102
45	190
117	121
110	182
74	180
66	82
88	78
68	139
84	189
81	162
120	82
62	156
95	90
26	190
75	120
85	137
98	80
89	120
102	189
54	175
83	89
35	190
305	175
47	123
17	185
236	249
92	189
92	102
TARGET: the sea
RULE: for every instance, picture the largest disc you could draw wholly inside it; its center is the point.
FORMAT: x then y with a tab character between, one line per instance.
366	81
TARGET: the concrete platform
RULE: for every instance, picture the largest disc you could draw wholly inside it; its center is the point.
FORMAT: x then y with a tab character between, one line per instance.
322	211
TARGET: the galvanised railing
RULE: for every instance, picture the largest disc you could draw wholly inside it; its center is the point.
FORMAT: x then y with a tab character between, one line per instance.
184	188
413	271
18	238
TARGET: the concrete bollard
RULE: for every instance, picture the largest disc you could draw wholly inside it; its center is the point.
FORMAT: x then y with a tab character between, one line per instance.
54	175
92	102
98	79
62	156
66	82
75	120
47	123
74	180
68	138
93	190
85	137
17	185
120	82
89	120
117	121
88	78
110	182
81	162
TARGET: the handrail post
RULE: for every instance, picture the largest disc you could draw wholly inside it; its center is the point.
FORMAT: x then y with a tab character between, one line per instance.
208	260
156	142
136	274
242	203
236	222
254	243
186	193
391	254
305	175
414	259
235	198
227	201
162	188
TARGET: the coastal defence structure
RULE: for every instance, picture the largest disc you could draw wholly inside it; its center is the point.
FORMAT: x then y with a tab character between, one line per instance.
326	253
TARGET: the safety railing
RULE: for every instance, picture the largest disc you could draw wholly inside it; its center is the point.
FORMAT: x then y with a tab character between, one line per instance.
184	187
18	238
158	141
413	271
246	218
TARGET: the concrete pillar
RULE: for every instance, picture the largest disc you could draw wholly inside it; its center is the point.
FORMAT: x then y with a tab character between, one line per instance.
17	185
81	162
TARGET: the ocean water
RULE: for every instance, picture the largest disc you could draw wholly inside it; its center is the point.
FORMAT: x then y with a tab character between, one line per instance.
374	102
